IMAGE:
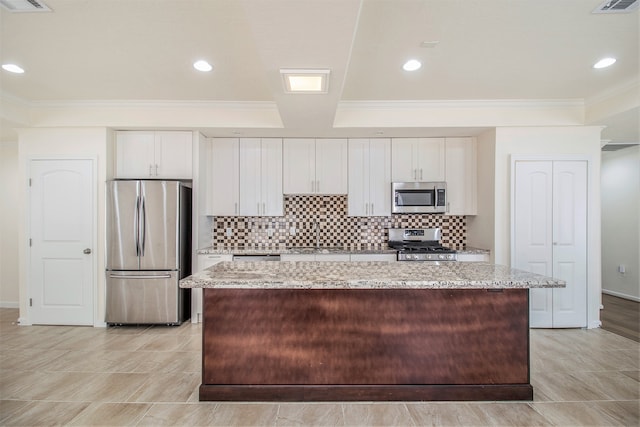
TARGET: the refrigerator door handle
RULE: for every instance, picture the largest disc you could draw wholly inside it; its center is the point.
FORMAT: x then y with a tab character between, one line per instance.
122	276
136	225
143	227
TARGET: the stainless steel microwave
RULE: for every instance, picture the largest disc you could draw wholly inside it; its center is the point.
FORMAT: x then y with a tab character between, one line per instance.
418	197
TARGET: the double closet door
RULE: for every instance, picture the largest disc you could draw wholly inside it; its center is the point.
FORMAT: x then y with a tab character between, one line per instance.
549	236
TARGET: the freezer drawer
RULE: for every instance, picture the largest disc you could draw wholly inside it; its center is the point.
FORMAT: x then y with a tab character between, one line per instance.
145	297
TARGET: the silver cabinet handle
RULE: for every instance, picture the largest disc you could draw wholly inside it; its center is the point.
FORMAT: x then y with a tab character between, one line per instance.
264	209
235	208
371	208
420	174
87	251
258	207
156	169
150	170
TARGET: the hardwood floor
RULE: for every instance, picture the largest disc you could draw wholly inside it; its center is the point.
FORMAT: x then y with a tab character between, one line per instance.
621	316
149	376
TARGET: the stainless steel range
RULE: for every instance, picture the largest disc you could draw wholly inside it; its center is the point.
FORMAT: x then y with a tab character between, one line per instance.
421	244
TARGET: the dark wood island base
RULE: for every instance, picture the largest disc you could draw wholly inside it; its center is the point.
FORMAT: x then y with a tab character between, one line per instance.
365	344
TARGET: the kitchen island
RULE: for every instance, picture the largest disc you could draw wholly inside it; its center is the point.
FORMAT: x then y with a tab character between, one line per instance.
327	331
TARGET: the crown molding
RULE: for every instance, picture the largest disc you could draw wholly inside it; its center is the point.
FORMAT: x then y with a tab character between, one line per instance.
465	103
227	105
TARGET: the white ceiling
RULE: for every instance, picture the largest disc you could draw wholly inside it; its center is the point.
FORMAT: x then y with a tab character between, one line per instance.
142	50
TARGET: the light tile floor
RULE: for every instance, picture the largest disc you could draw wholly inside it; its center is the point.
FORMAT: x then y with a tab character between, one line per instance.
149	376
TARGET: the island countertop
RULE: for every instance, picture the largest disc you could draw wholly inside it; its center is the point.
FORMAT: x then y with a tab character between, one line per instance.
365	275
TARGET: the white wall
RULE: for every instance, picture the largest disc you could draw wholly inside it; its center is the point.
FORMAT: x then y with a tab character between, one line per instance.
620	222
63	143
9	276
551	142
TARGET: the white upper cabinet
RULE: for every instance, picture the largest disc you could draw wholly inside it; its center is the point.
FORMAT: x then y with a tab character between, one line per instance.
461	176
299	174
315	166
369	177
223	177
261	177
418	159
154	154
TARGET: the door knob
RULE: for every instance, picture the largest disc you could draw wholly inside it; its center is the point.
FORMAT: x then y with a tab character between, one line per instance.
87	251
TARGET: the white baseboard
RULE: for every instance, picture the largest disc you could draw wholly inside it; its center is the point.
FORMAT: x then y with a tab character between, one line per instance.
621	295
9	304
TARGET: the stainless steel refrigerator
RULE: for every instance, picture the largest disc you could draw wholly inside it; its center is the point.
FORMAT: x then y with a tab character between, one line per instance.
148	251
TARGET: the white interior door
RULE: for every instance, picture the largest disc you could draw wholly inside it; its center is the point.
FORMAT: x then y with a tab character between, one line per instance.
550	238
532	233
570	243
61	218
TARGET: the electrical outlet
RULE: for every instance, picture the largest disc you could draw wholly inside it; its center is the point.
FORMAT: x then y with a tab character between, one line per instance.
229	232
269	232
622	269
292	231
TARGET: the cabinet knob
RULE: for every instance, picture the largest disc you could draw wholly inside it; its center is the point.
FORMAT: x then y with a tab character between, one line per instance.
87	251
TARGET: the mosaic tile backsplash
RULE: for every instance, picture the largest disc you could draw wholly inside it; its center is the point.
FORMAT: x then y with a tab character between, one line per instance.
323	221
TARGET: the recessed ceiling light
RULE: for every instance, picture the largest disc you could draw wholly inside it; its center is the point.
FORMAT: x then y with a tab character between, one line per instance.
12	68
412	65
604	63
202	66
305	81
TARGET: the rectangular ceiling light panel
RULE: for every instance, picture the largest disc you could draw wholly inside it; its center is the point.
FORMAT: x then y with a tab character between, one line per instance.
305	81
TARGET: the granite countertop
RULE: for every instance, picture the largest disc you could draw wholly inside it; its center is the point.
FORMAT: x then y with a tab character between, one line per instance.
275	250
365	275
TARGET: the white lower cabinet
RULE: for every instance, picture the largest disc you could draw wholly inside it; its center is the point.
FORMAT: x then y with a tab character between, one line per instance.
374	257
204	261
332	257
338	257
473	257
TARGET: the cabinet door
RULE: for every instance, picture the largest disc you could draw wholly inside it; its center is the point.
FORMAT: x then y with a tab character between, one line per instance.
271	203
461	176
431	159
570	243
299	166
380	177
297	257
374	257
331	166
223	177
250	188
173	157
135	154
358	200
404	158
332	257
